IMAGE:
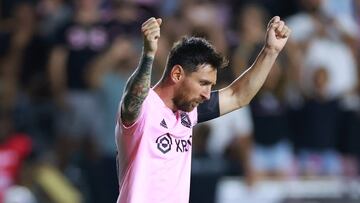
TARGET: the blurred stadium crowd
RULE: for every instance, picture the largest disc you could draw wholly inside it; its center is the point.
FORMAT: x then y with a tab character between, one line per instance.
64	64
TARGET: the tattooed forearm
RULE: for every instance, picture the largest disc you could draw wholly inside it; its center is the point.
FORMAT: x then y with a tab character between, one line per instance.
136	90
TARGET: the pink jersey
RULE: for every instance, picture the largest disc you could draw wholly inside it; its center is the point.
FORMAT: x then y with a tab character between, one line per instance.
157	149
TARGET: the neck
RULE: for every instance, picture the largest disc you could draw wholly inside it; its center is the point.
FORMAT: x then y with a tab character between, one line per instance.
166	93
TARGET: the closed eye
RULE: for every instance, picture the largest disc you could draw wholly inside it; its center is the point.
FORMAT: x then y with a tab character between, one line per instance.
205	83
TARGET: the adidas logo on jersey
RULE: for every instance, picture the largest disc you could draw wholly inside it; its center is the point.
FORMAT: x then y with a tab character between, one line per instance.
163	123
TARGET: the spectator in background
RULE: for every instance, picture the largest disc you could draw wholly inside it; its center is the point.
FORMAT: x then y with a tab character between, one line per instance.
77	43
321	32
15	147
24	65
272	155
338	8
318	36
316	143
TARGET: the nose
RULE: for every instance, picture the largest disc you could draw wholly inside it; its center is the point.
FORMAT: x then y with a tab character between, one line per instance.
206	93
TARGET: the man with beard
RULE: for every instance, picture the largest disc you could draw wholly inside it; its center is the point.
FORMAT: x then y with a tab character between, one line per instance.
154	128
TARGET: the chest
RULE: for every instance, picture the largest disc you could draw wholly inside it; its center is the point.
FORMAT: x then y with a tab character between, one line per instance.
169	136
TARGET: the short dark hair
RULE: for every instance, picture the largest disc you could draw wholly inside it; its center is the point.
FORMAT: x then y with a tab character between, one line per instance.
190	52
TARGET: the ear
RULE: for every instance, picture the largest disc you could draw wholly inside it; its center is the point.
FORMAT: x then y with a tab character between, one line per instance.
177	73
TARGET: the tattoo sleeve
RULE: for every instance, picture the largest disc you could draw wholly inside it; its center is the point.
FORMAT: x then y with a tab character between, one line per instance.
136	90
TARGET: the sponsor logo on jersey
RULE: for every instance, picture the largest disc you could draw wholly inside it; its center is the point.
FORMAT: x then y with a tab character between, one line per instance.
165	143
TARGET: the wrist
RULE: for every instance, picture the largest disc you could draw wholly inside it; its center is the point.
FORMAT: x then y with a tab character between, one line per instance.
271	50
150	54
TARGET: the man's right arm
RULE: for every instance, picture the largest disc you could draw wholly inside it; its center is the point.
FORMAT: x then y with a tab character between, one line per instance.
138	85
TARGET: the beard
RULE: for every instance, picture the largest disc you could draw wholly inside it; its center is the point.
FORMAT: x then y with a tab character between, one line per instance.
185	105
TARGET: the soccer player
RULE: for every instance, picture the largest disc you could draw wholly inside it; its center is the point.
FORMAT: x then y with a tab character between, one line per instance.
154	128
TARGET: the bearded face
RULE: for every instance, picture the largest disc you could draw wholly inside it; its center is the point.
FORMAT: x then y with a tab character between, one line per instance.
195	88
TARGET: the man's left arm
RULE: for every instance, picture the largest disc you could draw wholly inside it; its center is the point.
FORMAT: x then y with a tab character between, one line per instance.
240	92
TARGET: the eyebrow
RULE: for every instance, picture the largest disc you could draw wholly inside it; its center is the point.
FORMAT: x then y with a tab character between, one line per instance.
207	82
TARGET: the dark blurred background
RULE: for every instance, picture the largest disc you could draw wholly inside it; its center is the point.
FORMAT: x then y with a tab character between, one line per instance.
64	64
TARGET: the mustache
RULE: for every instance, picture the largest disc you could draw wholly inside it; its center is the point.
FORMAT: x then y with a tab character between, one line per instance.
199	101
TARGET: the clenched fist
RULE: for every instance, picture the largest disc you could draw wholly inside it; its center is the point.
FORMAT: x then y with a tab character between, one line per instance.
151	34
277	34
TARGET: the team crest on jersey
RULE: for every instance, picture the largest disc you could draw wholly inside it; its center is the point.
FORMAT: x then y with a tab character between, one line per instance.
185	120
164	143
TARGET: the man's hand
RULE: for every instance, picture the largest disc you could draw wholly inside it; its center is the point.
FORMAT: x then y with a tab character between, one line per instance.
277	34
151	34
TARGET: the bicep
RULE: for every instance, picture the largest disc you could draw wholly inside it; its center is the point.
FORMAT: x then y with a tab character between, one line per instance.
136	90
228	100
130	109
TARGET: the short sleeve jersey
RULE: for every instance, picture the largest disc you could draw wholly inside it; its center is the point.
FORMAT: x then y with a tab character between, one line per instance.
157	148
